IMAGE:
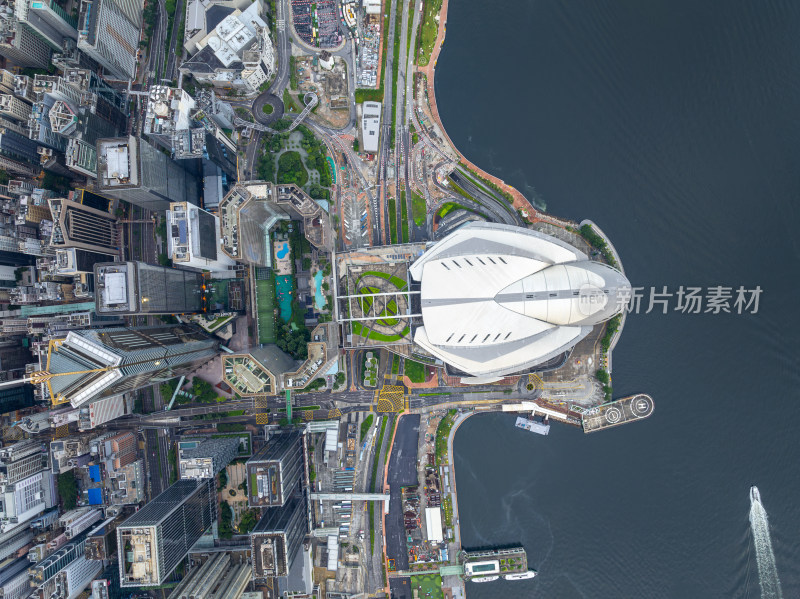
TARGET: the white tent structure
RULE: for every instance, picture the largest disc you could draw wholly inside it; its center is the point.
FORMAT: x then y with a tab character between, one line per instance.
498	299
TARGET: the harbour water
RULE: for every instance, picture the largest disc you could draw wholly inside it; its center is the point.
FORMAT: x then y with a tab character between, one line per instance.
675	126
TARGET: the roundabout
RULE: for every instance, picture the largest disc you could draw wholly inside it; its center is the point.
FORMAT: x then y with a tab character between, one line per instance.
264	115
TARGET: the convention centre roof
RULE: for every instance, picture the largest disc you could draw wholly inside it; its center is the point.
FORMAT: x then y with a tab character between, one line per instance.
498	299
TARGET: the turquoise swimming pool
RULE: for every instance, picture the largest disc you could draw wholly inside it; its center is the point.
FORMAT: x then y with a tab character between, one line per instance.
319	299
284	285
283	250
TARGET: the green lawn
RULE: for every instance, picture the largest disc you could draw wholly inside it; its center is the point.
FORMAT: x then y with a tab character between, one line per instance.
442	432
265	300
365	426
404	216
396	281
267	109
393	220
415	371
429	30
455	187
291	169
429	586
359	329
418	209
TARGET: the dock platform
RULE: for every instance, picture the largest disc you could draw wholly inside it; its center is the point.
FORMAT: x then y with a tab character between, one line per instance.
621	411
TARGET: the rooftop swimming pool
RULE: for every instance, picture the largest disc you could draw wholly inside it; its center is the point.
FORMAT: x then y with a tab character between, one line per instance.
284	286
319	299
283	250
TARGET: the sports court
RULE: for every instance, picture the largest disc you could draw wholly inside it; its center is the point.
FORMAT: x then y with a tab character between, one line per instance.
429	586
265	302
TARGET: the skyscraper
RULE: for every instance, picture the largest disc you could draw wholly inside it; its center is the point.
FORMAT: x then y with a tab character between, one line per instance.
139	288
108	31
21	44
208	457
275	469
82	226
132	169
92	364
158	537
20	460
193	238
276	539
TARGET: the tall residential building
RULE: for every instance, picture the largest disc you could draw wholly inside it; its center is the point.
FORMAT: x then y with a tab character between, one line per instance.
158	537
99	363
108	31
70	582
276	470
207	458
277	538
12	541
82	226
139	288
13	108
25	499
21	44
132	169
45	570
15	582
221	575
20	460
77	520
193	239
16	145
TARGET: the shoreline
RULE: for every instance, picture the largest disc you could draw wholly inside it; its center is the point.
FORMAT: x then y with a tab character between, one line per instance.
520	202
618	334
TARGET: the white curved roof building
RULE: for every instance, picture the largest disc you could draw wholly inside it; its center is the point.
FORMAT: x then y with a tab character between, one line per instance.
498	299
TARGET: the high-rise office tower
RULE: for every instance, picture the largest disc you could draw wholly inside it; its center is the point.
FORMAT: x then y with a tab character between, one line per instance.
49	20
108	31
276	539
208	457
132	169
193	238
99	363
16	145
139	288
276	469
83	226
158	537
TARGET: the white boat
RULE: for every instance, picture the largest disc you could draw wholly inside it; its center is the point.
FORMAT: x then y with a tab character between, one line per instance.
754	495
520	575
484	579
